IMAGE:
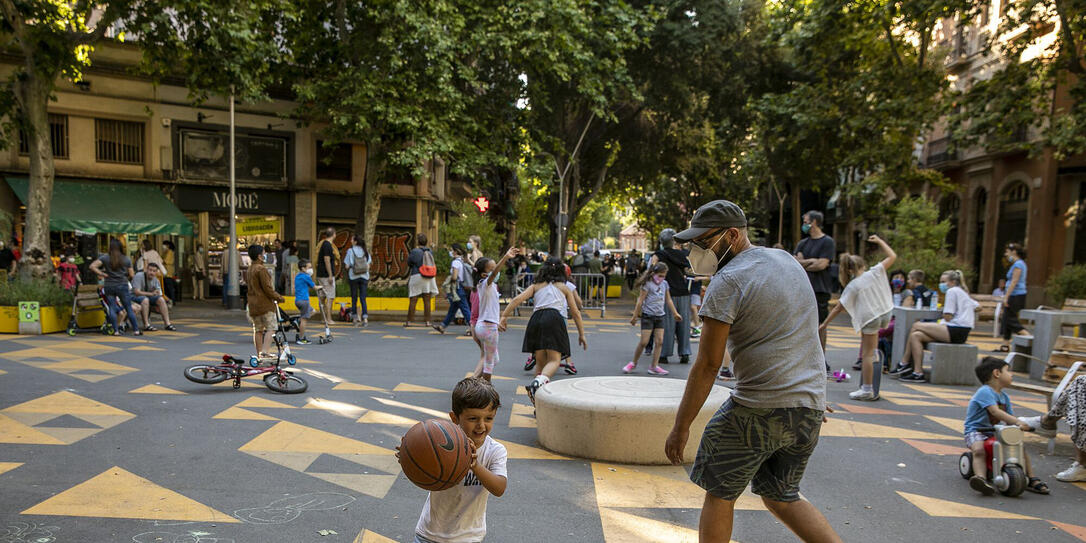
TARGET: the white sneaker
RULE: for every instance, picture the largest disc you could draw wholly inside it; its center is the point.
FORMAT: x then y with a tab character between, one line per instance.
1073	474
1035	422
863	396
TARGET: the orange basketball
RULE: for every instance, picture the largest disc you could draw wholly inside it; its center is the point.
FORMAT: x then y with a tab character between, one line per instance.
435	454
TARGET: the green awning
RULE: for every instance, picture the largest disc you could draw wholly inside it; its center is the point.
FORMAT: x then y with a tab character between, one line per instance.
124	208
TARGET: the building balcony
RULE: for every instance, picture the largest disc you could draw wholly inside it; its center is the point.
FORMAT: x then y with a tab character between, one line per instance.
939	152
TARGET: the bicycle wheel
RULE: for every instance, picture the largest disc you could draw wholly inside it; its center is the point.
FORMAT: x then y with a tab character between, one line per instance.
285	383
206	374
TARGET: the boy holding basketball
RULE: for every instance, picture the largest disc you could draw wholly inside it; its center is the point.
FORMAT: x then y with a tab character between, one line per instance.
458	515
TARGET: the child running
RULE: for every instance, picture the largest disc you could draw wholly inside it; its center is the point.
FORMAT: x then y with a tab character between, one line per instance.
488	312
546	336
459	513
990	405
867	298
655	294
302	283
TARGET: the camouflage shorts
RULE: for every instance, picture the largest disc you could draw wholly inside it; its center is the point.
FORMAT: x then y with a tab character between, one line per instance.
767	448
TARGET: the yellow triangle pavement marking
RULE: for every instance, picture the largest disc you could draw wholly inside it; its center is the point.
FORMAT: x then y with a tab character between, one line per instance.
238	413
958	425
65	402
521	391
645	487
147	348
393	336
372	484
154	389
81	347
380	417
209	355
215	342
8	466
424	410
944	508
37	354
847	428
407	387
940	393
116	493
12	431
916	403
290	437
342	409
904	395
366	536
492	377
256	401
518	451
522	416
622	527
355	386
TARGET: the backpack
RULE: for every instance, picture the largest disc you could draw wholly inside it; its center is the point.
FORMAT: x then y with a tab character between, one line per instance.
360	265
428	268
578	261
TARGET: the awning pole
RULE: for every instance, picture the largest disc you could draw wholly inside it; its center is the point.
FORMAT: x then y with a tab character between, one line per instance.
233	292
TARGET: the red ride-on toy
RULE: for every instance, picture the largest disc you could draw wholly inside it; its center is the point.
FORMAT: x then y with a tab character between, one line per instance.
1004	458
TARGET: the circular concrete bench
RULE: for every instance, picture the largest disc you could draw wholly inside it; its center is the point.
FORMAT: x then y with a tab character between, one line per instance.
618	419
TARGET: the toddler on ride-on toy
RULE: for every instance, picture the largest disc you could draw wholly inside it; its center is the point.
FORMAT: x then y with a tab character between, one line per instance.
989	406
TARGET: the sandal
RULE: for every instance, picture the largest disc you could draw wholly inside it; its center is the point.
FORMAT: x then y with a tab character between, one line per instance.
1037	486
171	327
150	328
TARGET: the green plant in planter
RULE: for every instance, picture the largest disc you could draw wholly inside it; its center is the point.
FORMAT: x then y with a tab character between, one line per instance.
45	292
1069	283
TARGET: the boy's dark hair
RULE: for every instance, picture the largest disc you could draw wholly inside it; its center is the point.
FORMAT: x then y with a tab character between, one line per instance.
988	365
302	263
917	275
255	251
474	393
898	271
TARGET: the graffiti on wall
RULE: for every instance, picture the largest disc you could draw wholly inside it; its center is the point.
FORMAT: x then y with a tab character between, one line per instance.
389	250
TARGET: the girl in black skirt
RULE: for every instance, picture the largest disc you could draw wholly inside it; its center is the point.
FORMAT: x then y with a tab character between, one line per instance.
546	336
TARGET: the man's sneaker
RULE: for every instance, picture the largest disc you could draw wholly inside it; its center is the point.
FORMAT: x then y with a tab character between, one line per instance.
726	374
529	364
915	377
695	333
629	368
658	371
684	359
302	341
569	368
980	485
863	396
901	369
1075	473
1035	422
859	365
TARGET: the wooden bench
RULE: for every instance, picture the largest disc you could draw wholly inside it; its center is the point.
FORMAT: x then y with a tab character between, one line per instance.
988	309
1068	358
86	298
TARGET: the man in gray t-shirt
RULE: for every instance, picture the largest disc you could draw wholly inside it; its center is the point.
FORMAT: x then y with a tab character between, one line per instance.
759	303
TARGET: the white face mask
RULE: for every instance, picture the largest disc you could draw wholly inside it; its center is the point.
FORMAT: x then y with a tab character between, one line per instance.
309	271
705	261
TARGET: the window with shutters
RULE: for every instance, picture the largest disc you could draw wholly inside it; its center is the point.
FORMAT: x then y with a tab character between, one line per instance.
58	134
120	142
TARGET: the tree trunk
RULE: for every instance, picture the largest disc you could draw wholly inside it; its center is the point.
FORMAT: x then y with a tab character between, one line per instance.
371	194
32	94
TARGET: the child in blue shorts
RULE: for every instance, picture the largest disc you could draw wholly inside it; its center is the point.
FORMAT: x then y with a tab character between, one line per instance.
302	283
990	405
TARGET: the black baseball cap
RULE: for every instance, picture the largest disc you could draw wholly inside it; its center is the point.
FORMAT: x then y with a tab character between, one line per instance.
711	216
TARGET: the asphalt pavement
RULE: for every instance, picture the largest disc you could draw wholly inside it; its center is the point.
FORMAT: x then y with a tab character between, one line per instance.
103	440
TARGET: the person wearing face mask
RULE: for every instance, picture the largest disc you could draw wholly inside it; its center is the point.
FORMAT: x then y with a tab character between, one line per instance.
475	250
676	331
302	283
958	316
815	253
765	432
1014	296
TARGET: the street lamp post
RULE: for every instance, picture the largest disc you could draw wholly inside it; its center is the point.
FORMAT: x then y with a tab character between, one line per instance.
233	290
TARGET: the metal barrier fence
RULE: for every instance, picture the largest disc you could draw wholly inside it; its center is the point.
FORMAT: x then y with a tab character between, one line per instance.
591	287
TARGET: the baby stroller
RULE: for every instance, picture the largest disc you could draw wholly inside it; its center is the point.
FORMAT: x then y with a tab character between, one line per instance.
288	323
88	299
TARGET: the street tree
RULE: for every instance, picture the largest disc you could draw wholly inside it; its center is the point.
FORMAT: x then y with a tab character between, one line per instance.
213	46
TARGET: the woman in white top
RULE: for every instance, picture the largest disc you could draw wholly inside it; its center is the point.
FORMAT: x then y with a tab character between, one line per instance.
546	336
958	313
489	313
867	298
358	262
